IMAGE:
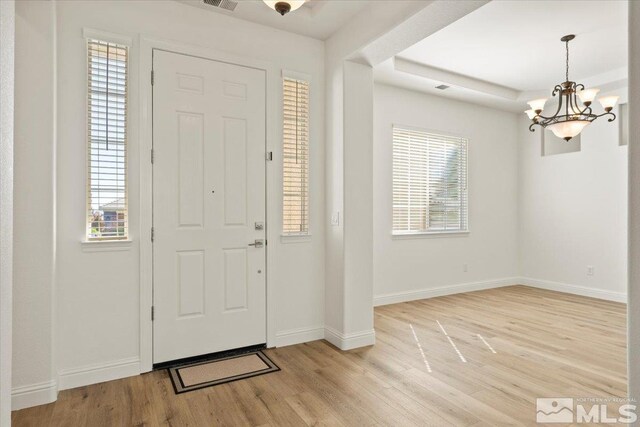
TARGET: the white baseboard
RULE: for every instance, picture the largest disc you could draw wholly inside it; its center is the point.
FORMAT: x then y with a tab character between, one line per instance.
342	341
98	373
574	289
397	297
299	335
33	395
349	341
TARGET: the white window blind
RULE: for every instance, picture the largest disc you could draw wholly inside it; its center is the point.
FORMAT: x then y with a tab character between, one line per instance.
107	217
295	157
429	182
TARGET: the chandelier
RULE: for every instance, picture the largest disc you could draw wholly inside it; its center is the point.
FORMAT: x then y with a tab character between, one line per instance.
284	7
570	118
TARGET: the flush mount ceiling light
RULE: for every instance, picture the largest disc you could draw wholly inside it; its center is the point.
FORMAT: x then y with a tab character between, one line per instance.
284	7
570	118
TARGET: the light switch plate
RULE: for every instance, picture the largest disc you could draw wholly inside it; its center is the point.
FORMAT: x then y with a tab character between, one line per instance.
335	218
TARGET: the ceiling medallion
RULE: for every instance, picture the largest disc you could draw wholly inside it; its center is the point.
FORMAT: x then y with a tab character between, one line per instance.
570	118
284	7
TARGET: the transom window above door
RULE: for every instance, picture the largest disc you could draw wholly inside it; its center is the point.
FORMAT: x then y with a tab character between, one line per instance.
429	182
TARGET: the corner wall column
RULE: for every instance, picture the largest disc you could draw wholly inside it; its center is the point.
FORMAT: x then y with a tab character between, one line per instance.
349	287
633	302
7	44
358	204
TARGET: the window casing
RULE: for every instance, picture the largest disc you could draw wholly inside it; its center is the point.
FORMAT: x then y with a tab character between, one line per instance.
107	204
429	182
295	157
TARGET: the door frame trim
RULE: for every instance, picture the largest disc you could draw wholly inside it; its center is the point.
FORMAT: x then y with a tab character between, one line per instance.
147	45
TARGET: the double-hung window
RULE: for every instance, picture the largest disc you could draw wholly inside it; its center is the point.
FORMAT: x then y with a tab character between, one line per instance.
295	157
429	182
107	215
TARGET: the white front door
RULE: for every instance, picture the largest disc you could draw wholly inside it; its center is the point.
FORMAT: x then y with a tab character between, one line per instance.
208	206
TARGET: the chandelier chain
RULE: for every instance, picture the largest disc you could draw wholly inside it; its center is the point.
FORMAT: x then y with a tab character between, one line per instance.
567	73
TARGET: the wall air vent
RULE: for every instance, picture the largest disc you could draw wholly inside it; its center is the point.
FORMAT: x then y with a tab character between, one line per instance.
442	87
229	5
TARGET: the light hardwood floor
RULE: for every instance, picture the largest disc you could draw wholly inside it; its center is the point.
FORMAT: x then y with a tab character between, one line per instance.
546	344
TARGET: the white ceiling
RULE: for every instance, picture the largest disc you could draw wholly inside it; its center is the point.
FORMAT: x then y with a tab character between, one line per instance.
516	45
316	18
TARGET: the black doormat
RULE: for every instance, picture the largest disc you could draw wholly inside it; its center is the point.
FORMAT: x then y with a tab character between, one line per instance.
209	373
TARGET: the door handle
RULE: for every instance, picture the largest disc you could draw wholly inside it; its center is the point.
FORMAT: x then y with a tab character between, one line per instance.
258	243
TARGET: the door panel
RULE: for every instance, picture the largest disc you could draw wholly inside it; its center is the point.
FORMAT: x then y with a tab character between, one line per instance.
235	171
190	283
191	170
208	193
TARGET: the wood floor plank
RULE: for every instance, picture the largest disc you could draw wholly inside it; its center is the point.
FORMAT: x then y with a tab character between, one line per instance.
518	343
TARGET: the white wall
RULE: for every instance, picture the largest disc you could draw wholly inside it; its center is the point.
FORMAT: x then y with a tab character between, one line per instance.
334	199
573	213
534	220
98	292
358	205
7	45
411	268
633	309
34	204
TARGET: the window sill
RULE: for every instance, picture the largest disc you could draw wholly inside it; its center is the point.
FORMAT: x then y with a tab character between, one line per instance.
430	235
295	238
105	245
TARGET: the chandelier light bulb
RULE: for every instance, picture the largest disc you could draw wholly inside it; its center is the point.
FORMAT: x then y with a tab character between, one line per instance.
587	96
284	7
531	114
569	129
608	102
537	105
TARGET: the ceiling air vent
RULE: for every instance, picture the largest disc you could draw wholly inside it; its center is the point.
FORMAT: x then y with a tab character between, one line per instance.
223	4
442	87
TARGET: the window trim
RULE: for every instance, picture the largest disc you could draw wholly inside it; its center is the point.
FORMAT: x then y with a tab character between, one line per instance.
117	243
299	237
429	234
90	33
404	235
106	245
295	238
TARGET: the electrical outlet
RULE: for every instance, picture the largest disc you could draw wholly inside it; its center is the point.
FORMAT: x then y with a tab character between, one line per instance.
465	267
335	218
589	270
